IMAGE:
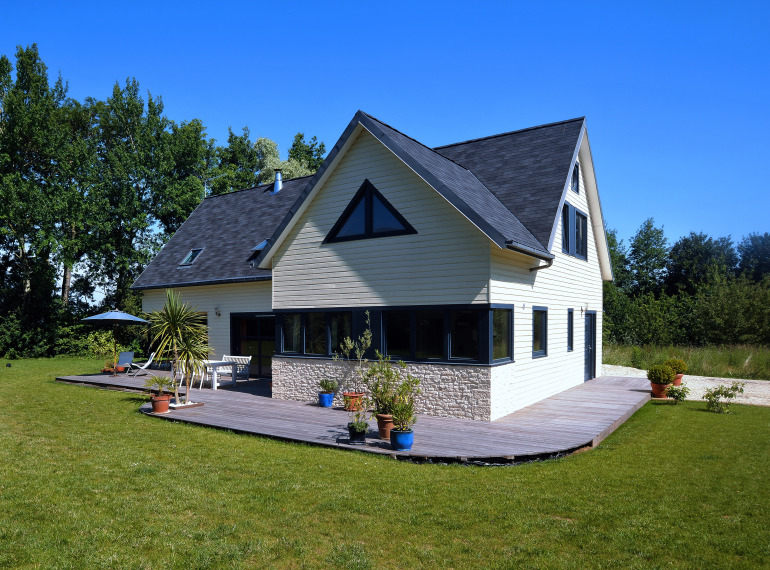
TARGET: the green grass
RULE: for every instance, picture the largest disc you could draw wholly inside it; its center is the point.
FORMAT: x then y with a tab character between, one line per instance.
740	361
87	481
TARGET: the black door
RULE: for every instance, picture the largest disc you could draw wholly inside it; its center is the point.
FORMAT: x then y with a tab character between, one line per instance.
590	346
254	335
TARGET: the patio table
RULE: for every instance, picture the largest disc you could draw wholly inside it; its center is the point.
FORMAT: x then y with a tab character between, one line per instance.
214	365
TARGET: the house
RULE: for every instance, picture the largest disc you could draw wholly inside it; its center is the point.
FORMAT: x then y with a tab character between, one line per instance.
480	263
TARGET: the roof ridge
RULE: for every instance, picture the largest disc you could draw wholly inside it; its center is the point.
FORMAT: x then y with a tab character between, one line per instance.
436	148
258	187
415	140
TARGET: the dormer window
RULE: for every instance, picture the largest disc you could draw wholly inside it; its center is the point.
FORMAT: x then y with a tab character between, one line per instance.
260	246
191	257
575	182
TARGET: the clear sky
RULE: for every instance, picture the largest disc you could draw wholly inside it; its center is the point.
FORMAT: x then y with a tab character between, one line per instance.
675	93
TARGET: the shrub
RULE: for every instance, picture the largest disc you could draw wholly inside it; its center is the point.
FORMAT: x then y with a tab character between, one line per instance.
677	393
329	386
714	397
677	365
636	357
403	407
661	374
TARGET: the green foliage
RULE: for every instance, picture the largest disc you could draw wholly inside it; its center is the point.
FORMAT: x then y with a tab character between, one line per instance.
403	410
660	374
358	349
696	260
678	365
100	344
678	393
311	154
157	383
718	399
754	250
179	334
383	379
329	386
361	413
647	258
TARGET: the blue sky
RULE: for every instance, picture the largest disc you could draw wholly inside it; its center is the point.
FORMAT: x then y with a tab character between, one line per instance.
675	93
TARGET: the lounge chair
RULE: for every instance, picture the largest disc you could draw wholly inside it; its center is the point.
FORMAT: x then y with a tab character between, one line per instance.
138	367
124	359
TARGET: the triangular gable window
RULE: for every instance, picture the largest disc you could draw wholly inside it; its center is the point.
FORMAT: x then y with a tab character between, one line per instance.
369	215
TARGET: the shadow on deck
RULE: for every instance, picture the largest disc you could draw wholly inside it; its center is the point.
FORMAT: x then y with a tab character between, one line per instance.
574	419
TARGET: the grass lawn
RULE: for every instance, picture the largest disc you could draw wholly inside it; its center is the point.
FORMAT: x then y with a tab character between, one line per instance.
87	481
741	361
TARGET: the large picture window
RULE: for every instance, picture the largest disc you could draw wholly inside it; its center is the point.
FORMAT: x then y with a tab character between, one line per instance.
292	332
340	326
430	335
315	333
539	332
398	327
464	334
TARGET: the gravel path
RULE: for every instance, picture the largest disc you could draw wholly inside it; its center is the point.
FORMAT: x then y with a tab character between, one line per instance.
756	392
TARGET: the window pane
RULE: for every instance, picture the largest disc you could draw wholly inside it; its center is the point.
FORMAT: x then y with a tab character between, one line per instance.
315	333
292	339
570	328
382	219
464	327
340	325
501	337
581	224
355	225
565	229
397	334
575	182
430	334
539	332
266	327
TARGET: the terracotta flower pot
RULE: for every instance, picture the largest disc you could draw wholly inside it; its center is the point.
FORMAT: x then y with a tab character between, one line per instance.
160	403
678	379
659	390
352	400
384	424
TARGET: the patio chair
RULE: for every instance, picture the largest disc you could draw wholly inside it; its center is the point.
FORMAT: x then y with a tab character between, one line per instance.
138	367
241	369
125	359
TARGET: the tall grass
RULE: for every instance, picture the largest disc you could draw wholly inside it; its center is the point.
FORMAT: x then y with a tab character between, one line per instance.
736	361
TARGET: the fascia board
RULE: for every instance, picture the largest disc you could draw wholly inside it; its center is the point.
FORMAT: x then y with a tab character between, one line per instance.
595	204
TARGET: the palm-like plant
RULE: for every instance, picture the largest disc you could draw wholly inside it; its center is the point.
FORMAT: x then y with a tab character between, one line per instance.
179	333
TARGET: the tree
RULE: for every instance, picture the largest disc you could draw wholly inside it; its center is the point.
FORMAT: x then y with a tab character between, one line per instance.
310	154
647	259
697	259
754	250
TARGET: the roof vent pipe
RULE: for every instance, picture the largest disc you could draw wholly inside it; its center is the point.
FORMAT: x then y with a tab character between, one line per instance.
278	184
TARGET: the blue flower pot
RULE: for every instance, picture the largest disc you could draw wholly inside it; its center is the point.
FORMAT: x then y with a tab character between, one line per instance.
325	400
401	440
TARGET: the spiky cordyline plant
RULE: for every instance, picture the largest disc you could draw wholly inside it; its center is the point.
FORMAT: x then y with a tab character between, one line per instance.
179	333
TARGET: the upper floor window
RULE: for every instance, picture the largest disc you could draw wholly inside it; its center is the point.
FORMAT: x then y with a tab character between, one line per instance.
581	235
369	215
565	228
575	182
192	256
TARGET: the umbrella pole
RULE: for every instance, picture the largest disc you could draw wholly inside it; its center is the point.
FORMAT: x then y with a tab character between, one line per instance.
114	353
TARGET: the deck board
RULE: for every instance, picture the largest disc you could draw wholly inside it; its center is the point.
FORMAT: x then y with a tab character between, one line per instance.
579	417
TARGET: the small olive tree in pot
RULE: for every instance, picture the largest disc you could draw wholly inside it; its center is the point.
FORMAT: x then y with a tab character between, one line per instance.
404	417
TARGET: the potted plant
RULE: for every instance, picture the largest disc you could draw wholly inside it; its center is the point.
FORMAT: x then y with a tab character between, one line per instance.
402	436
159	401
382	379
326	395
679	367
359	421
660	376
352	398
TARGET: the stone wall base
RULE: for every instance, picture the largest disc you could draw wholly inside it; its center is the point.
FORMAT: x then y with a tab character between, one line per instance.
447	390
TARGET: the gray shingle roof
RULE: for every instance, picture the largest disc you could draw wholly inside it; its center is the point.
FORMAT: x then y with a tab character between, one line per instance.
227	227
526	170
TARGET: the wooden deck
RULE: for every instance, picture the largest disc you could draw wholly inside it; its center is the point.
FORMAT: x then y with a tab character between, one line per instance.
574	419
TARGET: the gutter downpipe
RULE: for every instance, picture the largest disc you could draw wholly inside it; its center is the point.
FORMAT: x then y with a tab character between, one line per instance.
548	261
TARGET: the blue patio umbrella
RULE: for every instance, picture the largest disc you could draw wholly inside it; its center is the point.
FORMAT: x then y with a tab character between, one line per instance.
115	318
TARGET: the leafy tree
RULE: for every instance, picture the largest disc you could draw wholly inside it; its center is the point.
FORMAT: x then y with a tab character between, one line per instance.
697	259
310	154
647	259
754	250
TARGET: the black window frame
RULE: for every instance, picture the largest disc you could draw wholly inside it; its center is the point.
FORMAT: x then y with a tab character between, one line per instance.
192	253
570	330
581	235
565	228
367	192
574	232
541	312
509	357
575	181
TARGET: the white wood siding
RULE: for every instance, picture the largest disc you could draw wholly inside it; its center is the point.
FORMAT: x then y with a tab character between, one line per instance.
228	298
446	262
569	283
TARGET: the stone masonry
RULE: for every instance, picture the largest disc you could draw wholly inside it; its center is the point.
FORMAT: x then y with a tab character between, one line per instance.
447	390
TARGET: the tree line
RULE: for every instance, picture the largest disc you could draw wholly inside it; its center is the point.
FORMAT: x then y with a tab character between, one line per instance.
699	291
90	191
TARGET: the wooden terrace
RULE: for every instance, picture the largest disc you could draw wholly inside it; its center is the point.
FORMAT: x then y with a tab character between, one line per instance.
576	418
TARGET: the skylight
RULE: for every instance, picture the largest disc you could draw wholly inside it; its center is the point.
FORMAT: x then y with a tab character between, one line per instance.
191	257
260	246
